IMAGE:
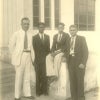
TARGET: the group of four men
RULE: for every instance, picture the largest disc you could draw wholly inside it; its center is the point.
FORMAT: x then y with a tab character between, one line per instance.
28	51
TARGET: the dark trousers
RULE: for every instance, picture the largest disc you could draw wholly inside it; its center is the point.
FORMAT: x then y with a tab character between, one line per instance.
76	79
41	80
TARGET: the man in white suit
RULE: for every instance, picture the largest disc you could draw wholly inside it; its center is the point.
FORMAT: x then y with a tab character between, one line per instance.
22	56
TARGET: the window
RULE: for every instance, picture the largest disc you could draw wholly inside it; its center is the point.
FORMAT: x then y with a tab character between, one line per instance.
43	10
84	14
35	13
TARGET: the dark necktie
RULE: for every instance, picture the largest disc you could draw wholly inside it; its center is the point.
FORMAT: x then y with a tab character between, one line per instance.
25	41
42	38
59	37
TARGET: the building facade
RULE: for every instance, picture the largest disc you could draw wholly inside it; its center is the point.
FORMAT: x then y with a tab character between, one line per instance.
84	13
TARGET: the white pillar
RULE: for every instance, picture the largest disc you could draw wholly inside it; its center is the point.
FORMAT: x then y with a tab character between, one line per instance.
67	12
52	15
20	12
97	26
41	10
28	11
1	22
97	15
12	12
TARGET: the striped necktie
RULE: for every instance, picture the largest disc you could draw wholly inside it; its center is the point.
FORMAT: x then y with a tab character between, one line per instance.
72	43
42	38
25	41
59	37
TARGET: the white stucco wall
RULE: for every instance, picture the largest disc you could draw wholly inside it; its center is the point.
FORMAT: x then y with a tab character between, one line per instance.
92	38
14	10
1	17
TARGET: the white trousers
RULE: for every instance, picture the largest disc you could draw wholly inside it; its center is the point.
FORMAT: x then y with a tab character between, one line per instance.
53	64
25	74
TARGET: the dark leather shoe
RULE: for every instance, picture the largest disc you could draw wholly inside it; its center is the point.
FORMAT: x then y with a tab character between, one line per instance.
17	99
30	97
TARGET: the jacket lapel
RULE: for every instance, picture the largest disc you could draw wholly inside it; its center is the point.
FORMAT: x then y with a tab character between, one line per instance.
21	36
44	41
76	43
62	36
39	39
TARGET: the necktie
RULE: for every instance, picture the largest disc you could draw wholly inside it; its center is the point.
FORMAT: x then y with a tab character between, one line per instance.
42	37
59	38
72	43
25	41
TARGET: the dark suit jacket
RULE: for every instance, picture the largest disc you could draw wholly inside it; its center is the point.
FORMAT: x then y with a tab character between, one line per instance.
41	48
64	44
81	50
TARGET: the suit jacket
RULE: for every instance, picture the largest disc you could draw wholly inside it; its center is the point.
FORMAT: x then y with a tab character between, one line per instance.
81	50
16	46
63	44
41	48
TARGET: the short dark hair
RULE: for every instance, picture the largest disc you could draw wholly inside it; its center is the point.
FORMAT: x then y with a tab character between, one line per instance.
73	26
24	18
61	24
41	23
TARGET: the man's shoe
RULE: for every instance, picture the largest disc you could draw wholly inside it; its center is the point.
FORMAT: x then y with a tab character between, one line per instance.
30	97
68	99
17	99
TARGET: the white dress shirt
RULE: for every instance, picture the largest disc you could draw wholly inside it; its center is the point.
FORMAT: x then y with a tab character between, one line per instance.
59	37
40	34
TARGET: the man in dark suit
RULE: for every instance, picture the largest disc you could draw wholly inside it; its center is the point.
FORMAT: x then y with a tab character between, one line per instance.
60	50
41	45
61	41
77	63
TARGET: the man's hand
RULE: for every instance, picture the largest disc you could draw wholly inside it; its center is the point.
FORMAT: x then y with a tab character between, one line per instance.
53	54
63	59
82	66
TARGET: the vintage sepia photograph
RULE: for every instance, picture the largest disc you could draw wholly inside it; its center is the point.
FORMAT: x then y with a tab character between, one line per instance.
49	50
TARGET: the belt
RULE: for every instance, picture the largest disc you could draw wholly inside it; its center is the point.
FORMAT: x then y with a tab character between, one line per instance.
72	55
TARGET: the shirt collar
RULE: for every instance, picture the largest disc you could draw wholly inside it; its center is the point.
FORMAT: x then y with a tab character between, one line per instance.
74	37
60	33
41	34
24	31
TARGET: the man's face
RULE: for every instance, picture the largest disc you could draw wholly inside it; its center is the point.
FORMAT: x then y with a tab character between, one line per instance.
25	25
60	28
41	28
73	31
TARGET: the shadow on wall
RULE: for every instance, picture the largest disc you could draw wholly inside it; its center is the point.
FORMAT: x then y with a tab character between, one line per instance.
91	72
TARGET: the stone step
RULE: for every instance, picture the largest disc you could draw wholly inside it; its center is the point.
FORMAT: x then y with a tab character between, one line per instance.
7	88
7	80
7	75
